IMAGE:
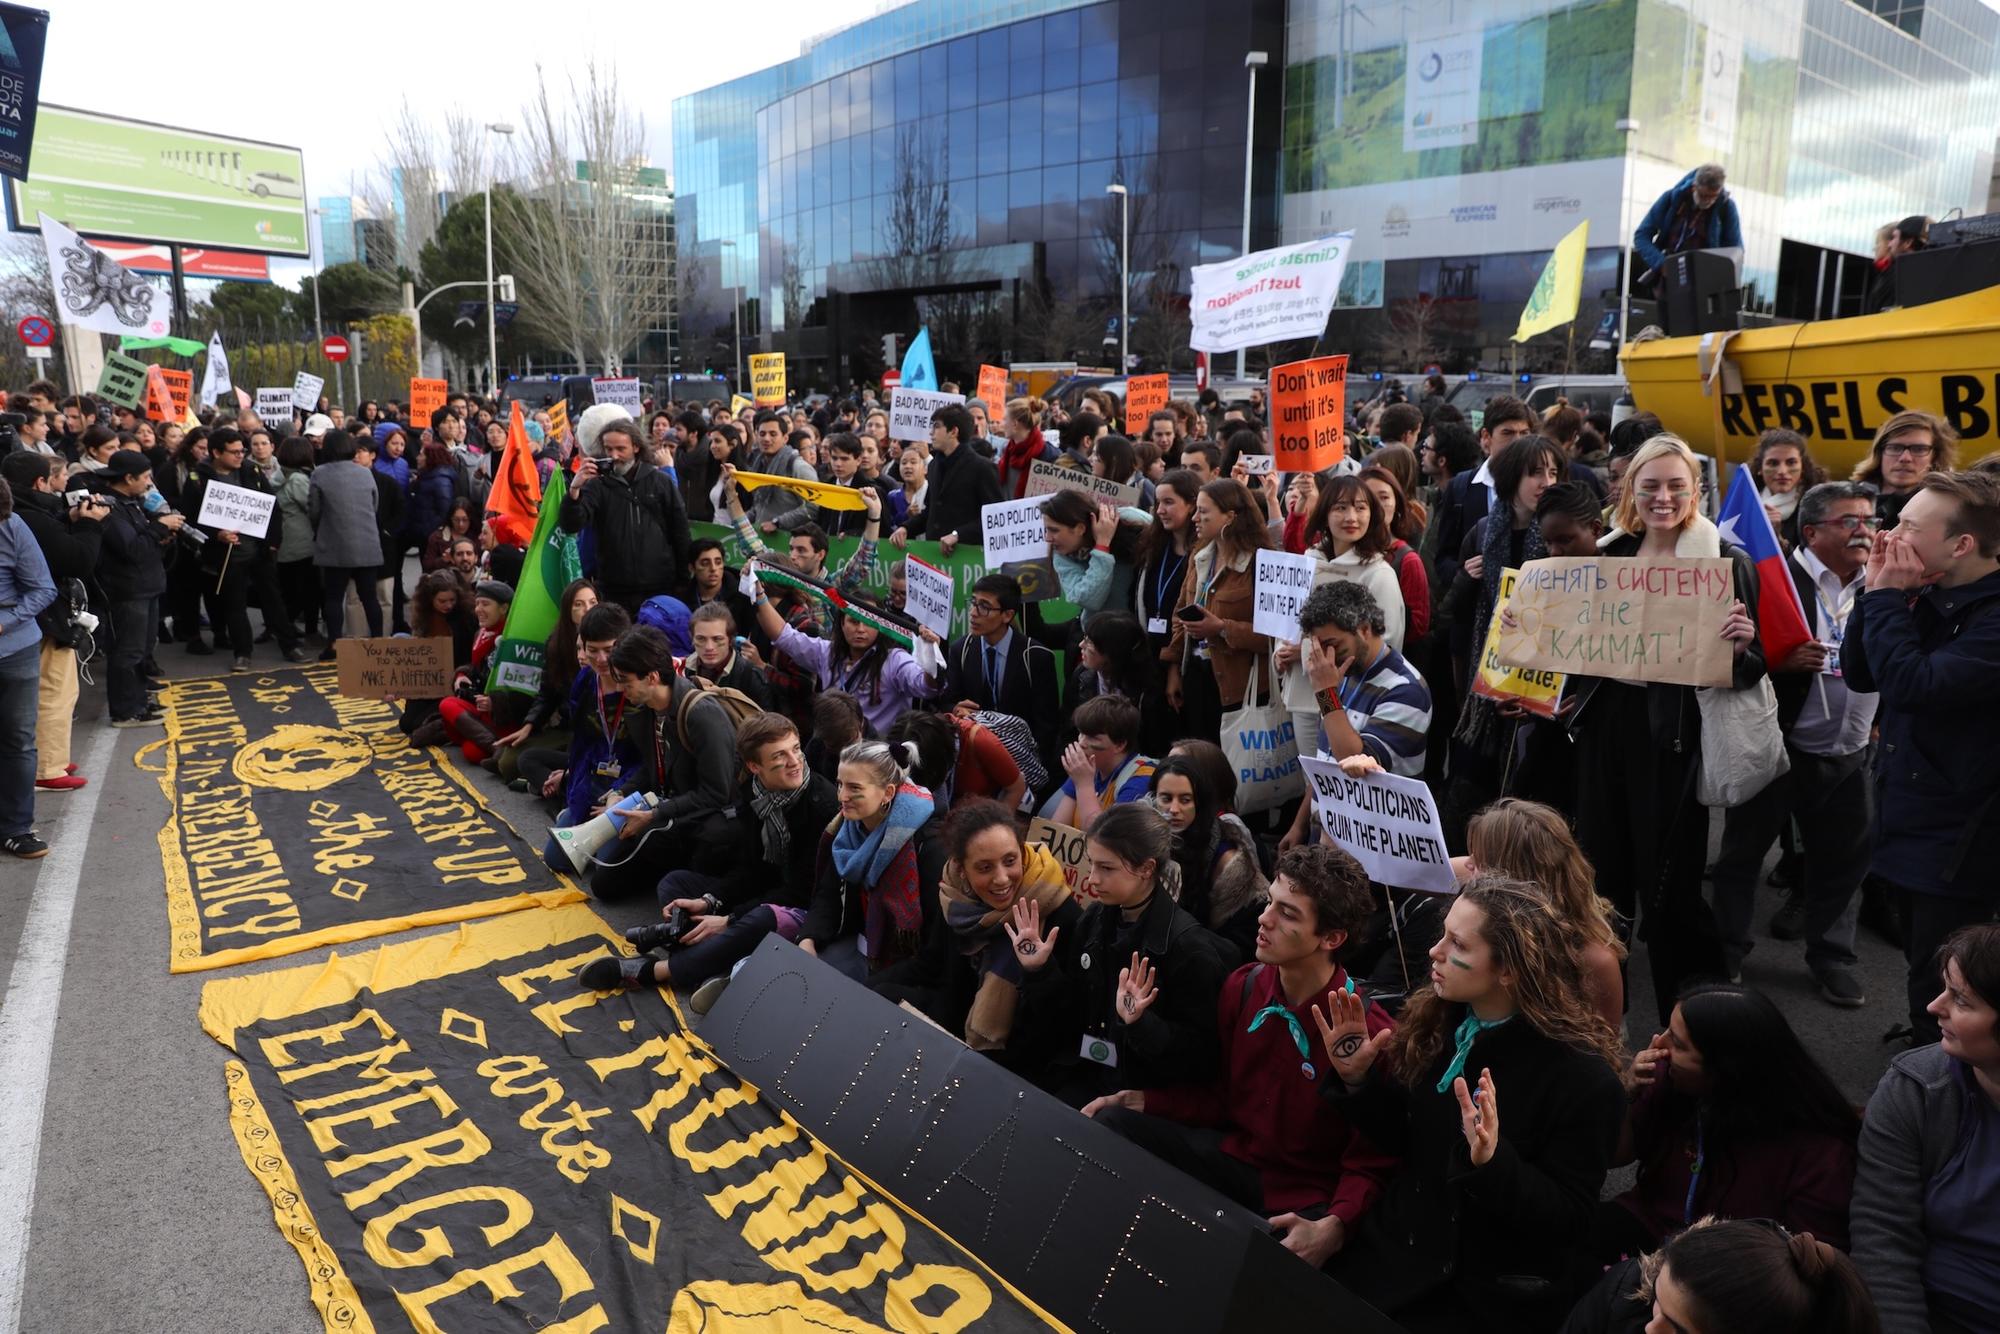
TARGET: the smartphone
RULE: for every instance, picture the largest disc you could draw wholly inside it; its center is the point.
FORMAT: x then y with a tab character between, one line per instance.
1190	612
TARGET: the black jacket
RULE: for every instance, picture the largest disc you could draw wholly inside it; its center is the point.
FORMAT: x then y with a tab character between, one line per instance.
736	851
641	527
696	471
1463	504
942	980
1030	685
960	485
740	676
131	567
1174	1042
247	478
71	549
1503	1233
391	513
836	911
698	779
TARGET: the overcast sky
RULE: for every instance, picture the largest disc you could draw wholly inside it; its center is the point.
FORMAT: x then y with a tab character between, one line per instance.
330	78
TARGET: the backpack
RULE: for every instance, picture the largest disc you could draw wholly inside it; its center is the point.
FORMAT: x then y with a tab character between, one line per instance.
735	703
61	621
1020	743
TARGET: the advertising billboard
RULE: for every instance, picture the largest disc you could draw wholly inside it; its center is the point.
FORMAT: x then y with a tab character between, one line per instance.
136	181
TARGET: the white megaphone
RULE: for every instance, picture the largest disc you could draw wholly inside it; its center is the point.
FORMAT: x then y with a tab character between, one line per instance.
579	842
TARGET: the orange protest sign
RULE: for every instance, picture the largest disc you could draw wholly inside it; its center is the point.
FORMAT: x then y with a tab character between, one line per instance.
159	399
180	384
1144	396
426	397
993	388
1308	408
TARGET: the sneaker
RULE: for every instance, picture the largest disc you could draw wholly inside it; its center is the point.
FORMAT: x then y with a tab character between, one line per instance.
199	647
296	653
1840	987
67	783
141	720
25	846
708	993
1789	922
240	665
612	973
327	654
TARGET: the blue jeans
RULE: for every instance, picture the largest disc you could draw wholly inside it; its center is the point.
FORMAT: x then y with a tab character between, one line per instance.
20	689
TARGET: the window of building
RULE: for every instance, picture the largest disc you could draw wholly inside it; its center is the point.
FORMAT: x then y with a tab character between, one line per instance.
1908	15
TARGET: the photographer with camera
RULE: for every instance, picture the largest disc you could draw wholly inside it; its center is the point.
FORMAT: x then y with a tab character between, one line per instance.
132	574
69	528
237	564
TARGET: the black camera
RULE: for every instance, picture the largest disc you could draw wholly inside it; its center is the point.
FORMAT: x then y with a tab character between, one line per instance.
660	935
10	431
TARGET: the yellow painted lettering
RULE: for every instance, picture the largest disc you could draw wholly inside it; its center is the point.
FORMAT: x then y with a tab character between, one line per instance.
433	1245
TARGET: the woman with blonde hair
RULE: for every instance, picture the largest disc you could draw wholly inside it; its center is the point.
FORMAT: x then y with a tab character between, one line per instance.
1501	1093
1639	743
1022	424
1907	447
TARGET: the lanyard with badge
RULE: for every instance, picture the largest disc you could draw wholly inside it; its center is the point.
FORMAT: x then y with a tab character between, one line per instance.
1157	623
608	767
1835	627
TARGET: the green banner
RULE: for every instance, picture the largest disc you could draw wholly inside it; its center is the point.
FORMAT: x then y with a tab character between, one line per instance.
550	565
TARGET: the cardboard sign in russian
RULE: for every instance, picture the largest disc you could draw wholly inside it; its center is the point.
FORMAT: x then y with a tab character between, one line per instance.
767	379
403	666
274	408
993	390
1308	413
1144	396
1045	479
1389	824
237	509
426	397
928	595
306	391
910	411
1011	530
620	392
1536	691
1283	581
1632	619
1065	844
123	380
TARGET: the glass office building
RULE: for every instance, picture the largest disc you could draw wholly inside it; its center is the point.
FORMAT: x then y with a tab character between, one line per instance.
945	162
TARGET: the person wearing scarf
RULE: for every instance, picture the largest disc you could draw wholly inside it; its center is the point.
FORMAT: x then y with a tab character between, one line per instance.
876	867
1025	445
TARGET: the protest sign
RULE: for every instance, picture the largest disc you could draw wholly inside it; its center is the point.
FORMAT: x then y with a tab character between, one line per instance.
305	392
159	399
1257	465
993	389
274	408
1283	580
559	419
622	393
767	378
236	509
910	412
1308	413
1012	530
738	402
426	397
928	596
1045	479
406	667
1536	691
1389	824
1267	297
180	389
1065	844
123	380
1628	618
1144	396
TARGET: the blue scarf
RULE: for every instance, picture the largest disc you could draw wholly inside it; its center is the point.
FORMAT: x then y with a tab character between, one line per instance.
884	863
1469	1029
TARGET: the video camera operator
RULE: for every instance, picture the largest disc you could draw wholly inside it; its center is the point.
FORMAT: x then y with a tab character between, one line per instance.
132	574
70	531
237	564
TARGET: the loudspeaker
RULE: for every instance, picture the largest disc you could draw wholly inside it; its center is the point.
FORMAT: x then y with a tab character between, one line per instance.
1698	293
579	842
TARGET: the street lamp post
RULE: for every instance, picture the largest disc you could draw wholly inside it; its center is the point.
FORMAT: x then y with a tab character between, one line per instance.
1252	61
492	314
736	315
1630	129
1124	274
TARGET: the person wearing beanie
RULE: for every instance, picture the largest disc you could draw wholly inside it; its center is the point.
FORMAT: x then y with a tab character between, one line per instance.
466	718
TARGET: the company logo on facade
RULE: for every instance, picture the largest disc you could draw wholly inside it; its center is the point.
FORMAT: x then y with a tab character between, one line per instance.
1558	204
1476	213
1432	66
1396	222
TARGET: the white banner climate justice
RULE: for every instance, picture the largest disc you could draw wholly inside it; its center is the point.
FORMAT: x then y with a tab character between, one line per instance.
1267	297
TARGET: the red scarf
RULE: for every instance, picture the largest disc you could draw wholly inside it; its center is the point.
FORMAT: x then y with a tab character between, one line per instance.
1017	458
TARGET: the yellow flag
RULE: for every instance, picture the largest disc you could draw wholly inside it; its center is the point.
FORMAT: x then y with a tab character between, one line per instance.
1553	302
820	493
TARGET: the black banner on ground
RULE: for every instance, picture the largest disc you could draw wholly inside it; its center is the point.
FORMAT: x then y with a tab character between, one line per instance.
299	817
1097	1232
454	1137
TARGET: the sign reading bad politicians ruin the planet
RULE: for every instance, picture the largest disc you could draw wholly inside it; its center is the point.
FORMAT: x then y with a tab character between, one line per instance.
454	1136
299	817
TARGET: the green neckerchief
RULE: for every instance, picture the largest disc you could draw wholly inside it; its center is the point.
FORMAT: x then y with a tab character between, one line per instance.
1469	1029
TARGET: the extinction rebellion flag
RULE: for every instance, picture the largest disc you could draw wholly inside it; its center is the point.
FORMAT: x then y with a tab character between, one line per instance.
455	1137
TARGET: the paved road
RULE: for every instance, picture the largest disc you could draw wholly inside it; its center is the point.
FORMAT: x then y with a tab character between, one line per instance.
117	1146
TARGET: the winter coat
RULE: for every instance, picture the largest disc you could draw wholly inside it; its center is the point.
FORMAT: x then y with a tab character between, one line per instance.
1721	230
640	527
430	502
342	503
295	543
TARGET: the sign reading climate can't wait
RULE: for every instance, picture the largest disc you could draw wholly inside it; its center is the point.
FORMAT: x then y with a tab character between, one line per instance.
1632	619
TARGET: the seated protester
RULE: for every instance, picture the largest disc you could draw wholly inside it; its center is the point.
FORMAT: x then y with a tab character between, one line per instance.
956	759
466	718
1730	1276
711	580
996	668
1371	701
1261	1133
440	608
576	780
761	878
1104	770
843	453
1744	1124
686	742
836	724
1496	1194
1080	534
859	659
967	977
670	616
1222	886
548	711
716	658
1126	999
875	882
1925	1195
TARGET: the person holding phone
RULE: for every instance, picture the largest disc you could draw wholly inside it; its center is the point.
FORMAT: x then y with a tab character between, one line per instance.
1213	645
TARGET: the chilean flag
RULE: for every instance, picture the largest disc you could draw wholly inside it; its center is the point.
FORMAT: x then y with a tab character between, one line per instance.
1781	618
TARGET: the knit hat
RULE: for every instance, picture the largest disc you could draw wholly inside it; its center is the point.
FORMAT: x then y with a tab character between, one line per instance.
494	590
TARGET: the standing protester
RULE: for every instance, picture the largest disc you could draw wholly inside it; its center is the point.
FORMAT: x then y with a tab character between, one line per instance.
775	508
1907	446
1696	214
132	574
1214	650
25	589
237	565
635	512
961	482
1926	636
70	538
347	547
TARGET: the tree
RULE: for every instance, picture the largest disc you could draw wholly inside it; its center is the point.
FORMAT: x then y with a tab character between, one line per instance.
417	169
456	253
241	303
351	292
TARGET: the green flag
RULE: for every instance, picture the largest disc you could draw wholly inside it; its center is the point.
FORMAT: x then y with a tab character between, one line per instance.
550	565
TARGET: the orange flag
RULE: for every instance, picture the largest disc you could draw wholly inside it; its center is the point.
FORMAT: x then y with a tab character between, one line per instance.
517	487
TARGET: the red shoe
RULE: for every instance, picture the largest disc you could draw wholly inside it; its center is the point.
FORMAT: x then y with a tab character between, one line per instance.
69	768
67	783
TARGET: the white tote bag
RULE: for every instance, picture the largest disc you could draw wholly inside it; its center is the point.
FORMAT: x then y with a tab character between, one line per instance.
1261	744
1742	749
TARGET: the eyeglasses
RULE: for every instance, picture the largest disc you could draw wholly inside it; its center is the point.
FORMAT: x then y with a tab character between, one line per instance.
1909	451
1851	522
986	608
